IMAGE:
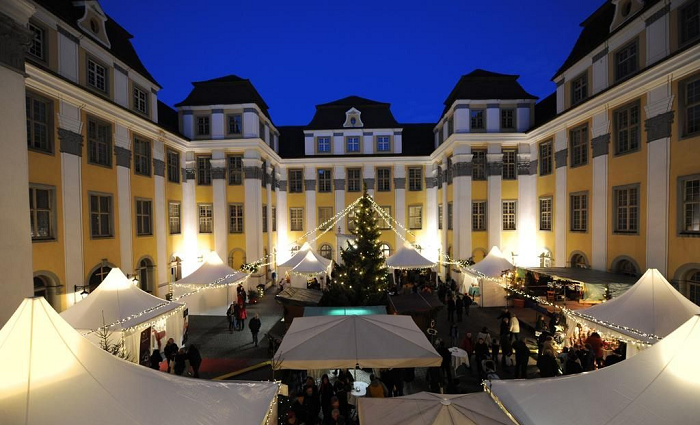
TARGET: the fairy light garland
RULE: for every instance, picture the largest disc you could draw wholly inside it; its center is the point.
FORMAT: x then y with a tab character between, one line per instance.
271	408
487	388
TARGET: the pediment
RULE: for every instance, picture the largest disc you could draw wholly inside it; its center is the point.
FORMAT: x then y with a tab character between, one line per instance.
352	119
93	21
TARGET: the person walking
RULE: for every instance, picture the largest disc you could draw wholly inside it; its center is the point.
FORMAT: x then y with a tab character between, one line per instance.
254	326
237	317
231	316
451	309
459	305
195	359
468	301
514	328
242	315
522	356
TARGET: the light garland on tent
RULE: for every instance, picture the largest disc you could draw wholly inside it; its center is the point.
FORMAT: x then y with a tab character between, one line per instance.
136	316
270	409
487	388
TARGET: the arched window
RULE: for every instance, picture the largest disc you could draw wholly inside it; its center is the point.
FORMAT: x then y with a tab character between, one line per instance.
98	275
386	249
326	251
236	258
144	273
693	281
478	254
626	267
579	261
45	287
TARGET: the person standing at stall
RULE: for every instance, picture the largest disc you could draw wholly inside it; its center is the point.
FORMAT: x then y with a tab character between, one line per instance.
242	315
254	326
459	305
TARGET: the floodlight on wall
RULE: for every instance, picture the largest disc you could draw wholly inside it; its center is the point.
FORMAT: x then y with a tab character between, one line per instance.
84	293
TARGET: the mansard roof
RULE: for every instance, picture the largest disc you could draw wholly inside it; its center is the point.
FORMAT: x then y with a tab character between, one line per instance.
482	85
596	29
167	118
227	90
546	109
291	141
331	115
119	38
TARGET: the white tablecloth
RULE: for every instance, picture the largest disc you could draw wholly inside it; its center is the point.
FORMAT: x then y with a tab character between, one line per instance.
459	357
359	389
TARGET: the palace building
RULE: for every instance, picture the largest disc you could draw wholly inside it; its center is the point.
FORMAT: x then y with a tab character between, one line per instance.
604	173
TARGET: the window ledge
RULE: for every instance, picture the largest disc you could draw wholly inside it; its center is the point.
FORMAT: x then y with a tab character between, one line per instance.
45	240
689	235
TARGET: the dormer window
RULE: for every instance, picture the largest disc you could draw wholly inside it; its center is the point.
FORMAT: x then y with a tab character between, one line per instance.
352	144
477	119
352	118
203	126
97	75
624	10
94	26
626	61
689	17
579	89
140	100
93	21
38	46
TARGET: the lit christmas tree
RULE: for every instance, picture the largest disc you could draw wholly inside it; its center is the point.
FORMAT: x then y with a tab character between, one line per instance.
363	277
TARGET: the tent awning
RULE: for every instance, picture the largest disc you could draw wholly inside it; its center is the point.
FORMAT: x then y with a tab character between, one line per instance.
406	257
311	265
380	341
298	257
493	264
210	271
658	385
299	296
432	409
59	377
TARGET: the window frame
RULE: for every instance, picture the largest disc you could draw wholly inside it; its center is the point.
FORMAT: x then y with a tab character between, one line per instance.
572	212
322	218
44	58
479	167
236	211
317	145
415	183
514	213
142	158
582	88
203	173
173	169
90	141
681	9
683	106
207	218
100	213
616	209
357	187
511	166
484	216
377	143
234	172
681	207
412	217
324	178
627	109
34	210
514	119
300	219
198	126
383	182
89	58
175	218
359	144
32	97
616	60
143	218
296	185
450	210
229	119
382	222
542	213
323	248
472	118
135	100
273	213
264	218
547	159
582	147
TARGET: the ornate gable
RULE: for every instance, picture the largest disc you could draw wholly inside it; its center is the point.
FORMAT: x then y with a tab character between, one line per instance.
93	21
352	119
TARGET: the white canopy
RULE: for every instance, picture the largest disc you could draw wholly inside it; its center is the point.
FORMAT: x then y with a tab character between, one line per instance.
210	301
311	264
117	298
55	376
651	306
432	409
299	256
658	385
304	263
376	341
406	257
493	264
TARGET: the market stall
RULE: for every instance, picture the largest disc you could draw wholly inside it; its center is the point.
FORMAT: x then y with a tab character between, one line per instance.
486	275
648	311
138	318
422	307
373	341
432	409
406	257
55	376
211	288
584	285
318	265
659	385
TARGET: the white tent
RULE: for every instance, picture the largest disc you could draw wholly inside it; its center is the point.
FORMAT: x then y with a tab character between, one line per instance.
304	263
650	308
406	257
210	301
372	341
432	409
660	385
491	266
55	376
131	311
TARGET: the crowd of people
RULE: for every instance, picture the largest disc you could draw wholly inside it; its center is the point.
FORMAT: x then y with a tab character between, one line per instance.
178	359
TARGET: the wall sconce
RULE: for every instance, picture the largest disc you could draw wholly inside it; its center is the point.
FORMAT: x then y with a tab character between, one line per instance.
84	293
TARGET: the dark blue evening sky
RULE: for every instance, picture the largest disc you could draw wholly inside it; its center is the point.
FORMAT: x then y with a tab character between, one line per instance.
302	53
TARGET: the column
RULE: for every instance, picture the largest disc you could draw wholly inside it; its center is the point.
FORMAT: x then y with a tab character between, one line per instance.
368	179
561	155
600	71
461	118
252	208
122	154
282	235
443	183
494	169
220	205
367	142
71	148
431	207
657	35
190	219
339	195
310	192
16	249
160	214
493	119
523	116
269	170
398	142
600	144
251	123
400	201
527	207
217	124
658	128
461	202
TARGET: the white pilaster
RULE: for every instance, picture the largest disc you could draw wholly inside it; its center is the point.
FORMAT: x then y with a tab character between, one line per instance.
560	94
367	143
282	226
493	119
190	219
252	209
338	144
400	201
444	212
67	57
599	221
522	120
560	198
220	206
309	148
217	124
494	167
121	88
268	187
658	43
188	124
368	179
251	122
461	203
462	121
126	250
310	192
339	195
398	142
600	72
431	207
526	208
659	102
160	215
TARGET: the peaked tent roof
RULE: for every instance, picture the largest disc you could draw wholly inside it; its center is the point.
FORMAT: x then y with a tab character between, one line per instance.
406	257
211	270
378	341
432	409
493	264
651	306
658	385
299	256
117	298
311	264
58	377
